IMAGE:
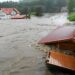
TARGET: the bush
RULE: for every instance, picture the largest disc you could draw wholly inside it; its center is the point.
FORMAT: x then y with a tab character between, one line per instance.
33	13
72	17
39	11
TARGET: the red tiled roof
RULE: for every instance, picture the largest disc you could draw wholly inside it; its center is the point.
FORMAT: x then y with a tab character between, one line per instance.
60	34
9	10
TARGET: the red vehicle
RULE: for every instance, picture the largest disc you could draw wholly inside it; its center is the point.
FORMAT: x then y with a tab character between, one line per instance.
62	43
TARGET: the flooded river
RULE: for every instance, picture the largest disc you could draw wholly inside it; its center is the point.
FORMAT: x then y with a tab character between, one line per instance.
20	53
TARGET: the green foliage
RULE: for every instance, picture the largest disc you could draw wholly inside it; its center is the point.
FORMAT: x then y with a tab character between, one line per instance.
38	11
72	16
70	6
33	13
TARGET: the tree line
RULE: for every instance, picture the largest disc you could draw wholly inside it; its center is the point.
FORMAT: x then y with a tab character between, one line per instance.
49	6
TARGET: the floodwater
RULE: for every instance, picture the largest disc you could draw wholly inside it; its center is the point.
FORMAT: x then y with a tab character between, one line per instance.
20	53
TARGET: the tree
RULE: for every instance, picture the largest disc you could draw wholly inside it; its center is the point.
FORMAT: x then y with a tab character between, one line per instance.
71	4
44	5
39	11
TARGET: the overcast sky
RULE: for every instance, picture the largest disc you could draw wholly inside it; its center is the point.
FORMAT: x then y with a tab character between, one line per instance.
8	0
18	0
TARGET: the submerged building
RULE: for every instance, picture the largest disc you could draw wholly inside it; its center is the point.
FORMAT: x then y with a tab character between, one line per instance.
62	52
12	13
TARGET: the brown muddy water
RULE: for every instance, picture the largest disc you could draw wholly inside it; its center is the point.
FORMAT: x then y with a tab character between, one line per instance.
19	52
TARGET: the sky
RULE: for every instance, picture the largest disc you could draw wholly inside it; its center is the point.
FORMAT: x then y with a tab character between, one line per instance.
18	0
9	0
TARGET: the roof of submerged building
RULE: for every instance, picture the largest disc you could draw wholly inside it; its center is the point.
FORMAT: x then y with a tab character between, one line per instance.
60	34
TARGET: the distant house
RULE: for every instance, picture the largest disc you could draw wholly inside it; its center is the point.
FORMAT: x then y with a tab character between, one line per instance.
8	12
11	13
